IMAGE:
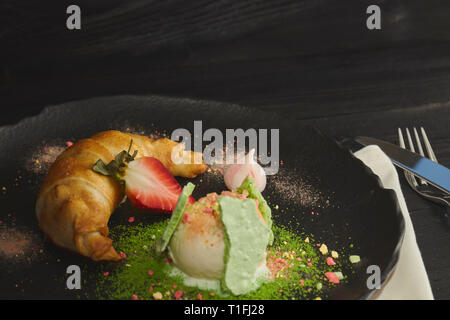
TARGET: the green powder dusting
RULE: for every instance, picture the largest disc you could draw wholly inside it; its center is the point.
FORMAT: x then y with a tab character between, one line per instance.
297	269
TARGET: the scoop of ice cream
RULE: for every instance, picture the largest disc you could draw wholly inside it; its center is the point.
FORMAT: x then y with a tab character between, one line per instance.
197	247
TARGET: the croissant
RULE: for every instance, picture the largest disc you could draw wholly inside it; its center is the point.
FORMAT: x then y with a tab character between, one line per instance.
75	203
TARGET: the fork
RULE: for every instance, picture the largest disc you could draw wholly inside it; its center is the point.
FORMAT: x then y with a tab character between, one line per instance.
421	186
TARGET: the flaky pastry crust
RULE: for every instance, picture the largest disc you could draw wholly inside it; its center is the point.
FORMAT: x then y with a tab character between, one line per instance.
75	203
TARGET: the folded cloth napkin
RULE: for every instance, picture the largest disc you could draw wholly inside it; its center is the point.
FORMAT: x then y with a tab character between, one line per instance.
409	280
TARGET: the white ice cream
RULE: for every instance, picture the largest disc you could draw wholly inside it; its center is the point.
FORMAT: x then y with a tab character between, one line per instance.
197	246
199	253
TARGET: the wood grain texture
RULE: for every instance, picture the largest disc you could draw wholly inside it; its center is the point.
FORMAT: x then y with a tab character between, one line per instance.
313	60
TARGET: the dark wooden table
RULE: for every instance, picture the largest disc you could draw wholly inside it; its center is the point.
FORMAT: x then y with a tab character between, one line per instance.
313	60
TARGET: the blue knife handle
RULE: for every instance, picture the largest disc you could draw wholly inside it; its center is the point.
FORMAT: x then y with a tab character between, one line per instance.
430	171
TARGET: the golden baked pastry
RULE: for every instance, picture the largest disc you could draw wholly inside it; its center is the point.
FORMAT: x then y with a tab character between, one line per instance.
75	203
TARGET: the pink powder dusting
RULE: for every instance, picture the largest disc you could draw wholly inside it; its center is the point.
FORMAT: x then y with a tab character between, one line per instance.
290	185
16	244
43	157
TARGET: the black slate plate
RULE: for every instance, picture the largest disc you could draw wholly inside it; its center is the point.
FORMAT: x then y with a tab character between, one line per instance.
356	214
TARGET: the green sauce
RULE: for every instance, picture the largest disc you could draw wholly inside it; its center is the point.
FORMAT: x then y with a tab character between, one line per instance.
247	239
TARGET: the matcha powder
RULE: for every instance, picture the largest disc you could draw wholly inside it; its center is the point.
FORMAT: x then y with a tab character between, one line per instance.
298	269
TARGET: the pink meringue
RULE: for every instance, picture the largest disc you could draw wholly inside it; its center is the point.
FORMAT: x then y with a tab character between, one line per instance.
235	174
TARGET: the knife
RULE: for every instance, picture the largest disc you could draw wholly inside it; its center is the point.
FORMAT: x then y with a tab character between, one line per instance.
434	173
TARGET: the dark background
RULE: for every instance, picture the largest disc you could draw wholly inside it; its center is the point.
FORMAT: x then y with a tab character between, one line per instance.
313	60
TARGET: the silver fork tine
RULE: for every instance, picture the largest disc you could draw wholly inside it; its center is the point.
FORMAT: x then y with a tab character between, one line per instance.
410	143
427	143
401	142
419	144
419	148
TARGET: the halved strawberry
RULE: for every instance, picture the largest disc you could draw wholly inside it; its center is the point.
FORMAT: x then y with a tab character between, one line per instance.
148	184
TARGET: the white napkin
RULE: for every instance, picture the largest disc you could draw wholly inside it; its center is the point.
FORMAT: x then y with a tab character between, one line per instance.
409	280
